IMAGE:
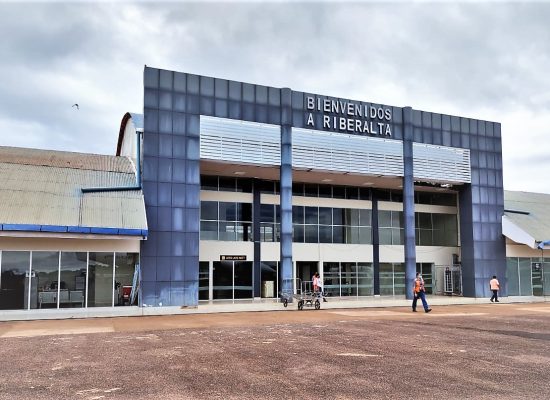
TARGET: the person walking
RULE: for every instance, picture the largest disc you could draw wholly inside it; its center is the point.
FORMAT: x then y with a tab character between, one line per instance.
320	286
494	285
420	292
315	281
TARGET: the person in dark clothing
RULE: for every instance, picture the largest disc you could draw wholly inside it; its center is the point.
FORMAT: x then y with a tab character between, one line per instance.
494	285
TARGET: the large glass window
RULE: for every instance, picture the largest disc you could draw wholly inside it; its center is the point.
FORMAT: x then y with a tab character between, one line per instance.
519	276
348	279
209	182
46	289
386	279
52	279
331	225
392	279
525	282
426	270
232	280
226	221
269	278
331	278
269	223
365	279
399	279
73	277
204	279
433	229
546	277
100	280
440	199
125	284
243	280
14	280
209	220
512	276
348	273
390	227
536	277
222	280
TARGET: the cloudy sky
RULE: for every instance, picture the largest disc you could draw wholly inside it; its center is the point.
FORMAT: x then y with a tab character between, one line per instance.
482	60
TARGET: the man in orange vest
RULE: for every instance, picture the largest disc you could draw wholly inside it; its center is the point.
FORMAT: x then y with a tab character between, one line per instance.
420	292
495	286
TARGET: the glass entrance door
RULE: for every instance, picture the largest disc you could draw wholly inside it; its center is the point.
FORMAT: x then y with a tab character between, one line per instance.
426	270
536	277
204	279
232	280
306	269
14	280
546	278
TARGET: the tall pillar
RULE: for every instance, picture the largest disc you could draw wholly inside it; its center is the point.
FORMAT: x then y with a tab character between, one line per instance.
256	237
286	190
408	202
375	243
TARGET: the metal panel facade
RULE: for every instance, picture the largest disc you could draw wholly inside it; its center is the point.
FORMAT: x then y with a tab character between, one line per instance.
173	105
243	142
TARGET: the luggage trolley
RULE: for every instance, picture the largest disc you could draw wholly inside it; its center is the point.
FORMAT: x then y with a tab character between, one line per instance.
305	295
287	290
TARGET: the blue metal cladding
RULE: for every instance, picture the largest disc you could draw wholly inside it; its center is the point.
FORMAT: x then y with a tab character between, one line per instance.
173	103
408	202
171	185
286	191
481	203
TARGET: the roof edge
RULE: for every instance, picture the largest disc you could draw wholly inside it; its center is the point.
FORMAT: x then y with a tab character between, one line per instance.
516	234
123	123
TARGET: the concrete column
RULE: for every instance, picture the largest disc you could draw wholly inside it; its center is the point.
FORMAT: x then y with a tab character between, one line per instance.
408	202
375	243
256	237
286	189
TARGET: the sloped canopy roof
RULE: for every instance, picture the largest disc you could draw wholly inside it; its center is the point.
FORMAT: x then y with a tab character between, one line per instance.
526	218
40	190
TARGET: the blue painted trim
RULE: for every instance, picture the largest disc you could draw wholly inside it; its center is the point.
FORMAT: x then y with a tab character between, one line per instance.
104	231
53	228
21	227
78	229
133	232
74	229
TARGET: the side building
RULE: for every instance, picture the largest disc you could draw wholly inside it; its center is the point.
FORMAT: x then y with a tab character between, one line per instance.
62	247
526	226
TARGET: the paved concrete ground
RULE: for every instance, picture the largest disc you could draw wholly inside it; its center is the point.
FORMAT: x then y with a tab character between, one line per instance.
492	351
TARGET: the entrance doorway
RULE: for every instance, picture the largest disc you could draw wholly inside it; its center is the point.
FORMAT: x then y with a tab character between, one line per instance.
306	269
426	270
232	280
537	278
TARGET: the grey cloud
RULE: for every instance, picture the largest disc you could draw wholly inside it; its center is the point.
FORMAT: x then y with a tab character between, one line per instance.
485	60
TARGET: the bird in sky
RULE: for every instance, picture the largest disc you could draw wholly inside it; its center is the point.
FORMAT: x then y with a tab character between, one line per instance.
76	105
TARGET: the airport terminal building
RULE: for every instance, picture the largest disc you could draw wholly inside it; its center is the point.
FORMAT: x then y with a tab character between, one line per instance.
224	190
